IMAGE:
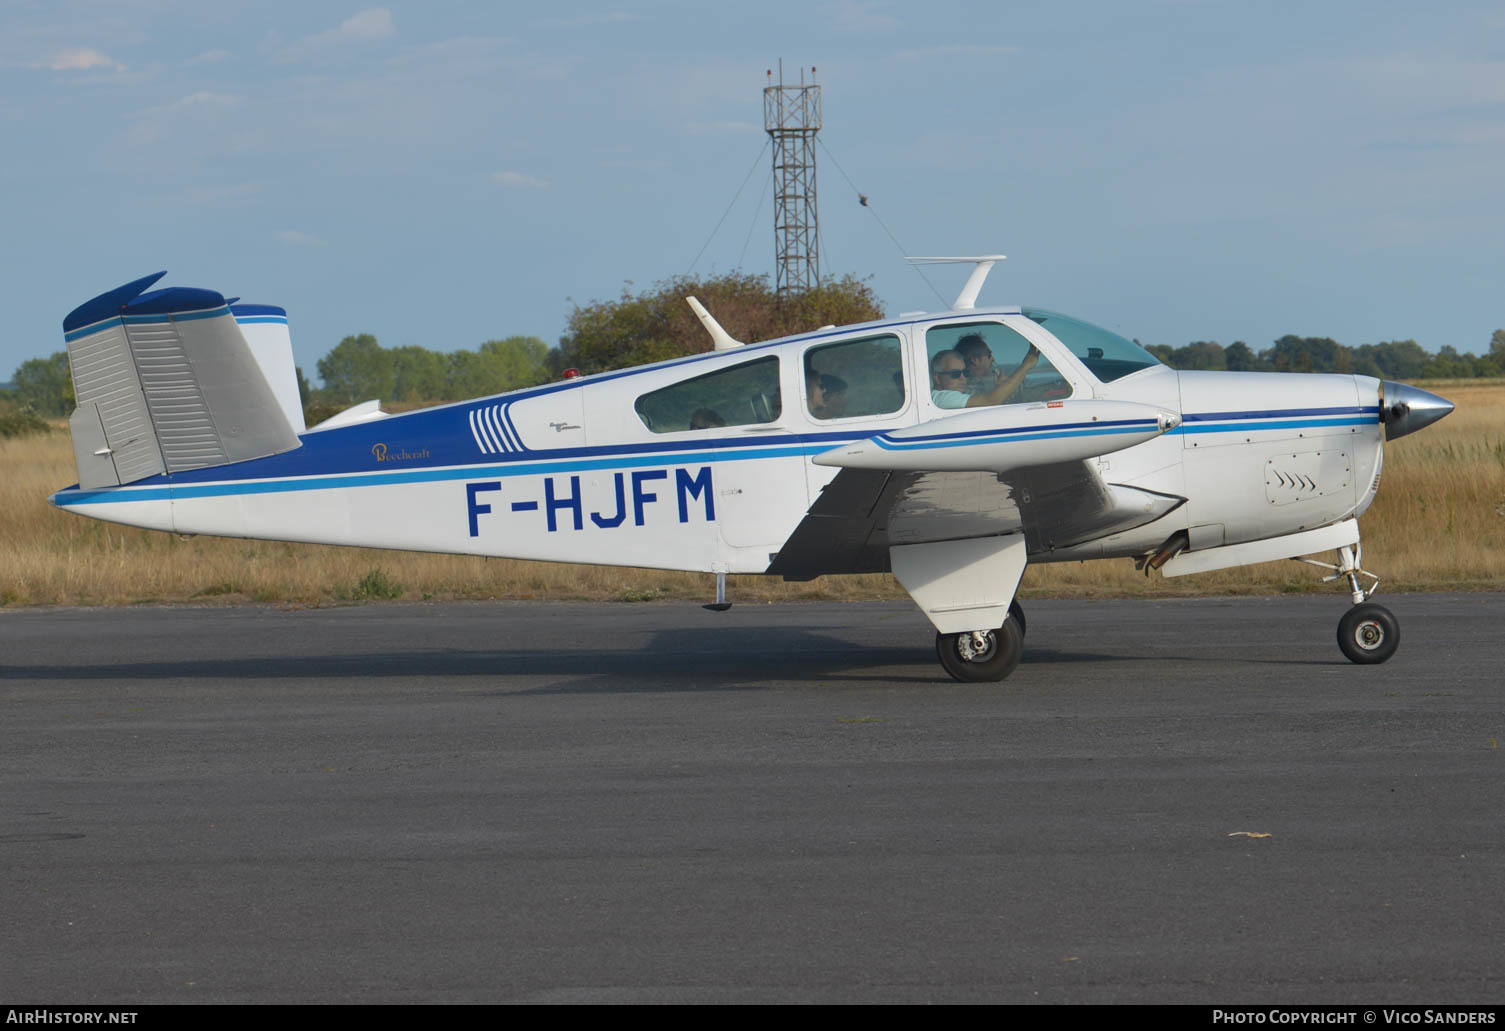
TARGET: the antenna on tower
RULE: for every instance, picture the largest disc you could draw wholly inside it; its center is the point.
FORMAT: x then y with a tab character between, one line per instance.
791	117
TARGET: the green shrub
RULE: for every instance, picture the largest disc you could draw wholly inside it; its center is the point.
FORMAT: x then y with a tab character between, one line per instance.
374	586
17	420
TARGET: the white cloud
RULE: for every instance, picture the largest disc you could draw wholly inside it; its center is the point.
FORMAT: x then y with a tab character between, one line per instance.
67	45
958	50
604	18
206	195
639	164
209	57
364	27
375	23
518	181
859	16
462	56
401	108
300	239
196	114
723	128
1387	156
79	59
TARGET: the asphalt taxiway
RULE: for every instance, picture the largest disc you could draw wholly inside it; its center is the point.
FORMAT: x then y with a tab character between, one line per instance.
1185	801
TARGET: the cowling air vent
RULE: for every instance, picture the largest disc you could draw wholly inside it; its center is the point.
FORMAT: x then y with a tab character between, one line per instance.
1308	475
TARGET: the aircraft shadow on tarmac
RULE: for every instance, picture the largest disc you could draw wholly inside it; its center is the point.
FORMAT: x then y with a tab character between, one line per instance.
679	659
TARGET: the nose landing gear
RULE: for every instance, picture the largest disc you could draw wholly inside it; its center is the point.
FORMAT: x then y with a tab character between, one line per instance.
1367	633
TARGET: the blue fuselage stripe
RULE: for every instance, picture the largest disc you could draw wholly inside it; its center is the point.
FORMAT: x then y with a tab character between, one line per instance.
1006	437
1273	424
631	456
210	490
1285	414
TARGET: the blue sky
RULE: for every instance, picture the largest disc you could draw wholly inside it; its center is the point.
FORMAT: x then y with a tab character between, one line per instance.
444	173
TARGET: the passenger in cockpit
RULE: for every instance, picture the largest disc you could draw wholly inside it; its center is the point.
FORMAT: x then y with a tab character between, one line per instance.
834	389
948	375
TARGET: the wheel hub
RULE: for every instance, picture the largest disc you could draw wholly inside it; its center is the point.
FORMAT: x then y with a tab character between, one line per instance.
977	646
1369	635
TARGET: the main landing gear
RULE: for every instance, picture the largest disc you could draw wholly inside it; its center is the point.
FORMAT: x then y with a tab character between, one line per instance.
1367	633
979	656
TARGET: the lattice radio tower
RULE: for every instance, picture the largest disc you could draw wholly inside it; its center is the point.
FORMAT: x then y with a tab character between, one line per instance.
791	115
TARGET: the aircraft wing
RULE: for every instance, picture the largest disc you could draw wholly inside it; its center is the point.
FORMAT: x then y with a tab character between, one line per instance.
1024	486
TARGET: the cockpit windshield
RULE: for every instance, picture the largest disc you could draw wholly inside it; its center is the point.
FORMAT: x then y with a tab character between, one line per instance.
1107	356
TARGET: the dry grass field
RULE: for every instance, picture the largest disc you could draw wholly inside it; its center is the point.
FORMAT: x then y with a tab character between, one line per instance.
1438	523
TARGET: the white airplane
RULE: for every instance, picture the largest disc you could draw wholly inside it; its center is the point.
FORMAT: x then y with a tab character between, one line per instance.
953	448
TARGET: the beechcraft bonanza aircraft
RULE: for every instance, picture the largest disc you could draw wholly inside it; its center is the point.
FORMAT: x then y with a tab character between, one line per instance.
846	450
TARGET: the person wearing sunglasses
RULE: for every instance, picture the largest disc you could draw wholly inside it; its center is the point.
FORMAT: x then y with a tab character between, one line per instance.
982	374
948	379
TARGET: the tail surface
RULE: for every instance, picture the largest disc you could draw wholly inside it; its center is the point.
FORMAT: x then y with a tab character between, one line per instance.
167	381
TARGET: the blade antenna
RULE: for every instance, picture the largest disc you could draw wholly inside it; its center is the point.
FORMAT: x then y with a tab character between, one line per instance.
722	340
967	299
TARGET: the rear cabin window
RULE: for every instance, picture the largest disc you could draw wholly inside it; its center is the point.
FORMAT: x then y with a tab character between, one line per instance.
744	395
854	378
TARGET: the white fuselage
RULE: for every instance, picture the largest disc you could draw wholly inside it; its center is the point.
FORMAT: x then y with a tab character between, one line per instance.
577	472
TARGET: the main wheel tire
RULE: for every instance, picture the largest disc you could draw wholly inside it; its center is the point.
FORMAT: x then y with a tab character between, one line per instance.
1368	634
1016	613
990	660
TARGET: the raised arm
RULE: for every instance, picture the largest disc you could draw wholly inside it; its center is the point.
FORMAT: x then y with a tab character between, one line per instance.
1006	388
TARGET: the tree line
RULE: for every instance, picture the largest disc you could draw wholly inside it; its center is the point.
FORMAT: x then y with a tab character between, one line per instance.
1395	359
649	326
656	324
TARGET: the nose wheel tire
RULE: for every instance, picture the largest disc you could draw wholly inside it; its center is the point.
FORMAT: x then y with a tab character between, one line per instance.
982	656
1368	634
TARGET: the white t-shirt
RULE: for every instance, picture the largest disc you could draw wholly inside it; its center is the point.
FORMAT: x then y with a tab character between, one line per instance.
949	398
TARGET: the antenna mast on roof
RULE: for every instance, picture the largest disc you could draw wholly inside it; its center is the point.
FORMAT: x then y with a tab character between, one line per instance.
791	116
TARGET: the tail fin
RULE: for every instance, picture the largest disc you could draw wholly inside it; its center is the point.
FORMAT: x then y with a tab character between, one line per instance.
165	382
265	328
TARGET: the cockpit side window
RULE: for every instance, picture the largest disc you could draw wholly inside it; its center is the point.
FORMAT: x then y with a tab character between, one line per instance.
977	363
1107	356
853	378
743	395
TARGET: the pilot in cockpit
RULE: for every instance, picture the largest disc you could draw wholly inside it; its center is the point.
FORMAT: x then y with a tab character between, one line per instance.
948	378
